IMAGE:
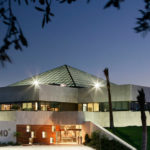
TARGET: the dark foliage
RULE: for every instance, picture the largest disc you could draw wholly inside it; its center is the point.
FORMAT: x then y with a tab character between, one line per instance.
87	139
141	100
115	3
102	143
143	23
15	38
112	145
14	35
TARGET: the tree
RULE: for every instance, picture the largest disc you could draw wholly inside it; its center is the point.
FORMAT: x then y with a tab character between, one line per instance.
106	73
141	101
14	34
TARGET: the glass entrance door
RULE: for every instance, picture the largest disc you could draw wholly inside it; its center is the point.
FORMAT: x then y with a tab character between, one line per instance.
69	134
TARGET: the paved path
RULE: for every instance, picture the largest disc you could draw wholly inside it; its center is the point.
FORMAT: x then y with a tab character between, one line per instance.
50	147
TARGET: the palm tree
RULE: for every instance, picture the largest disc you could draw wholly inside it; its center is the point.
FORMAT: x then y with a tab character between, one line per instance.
106	73
141	101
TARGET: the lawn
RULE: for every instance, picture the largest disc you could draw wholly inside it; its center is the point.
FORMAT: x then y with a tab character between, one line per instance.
132	135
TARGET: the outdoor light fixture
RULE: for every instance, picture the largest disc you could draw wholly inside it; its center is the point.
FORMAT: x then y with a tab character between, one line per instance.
97	85
36	82
62	85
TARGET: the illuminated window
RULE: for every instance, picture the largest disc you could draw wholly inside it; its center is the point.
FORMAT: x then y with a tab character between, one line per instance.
78	126
5	107
51	140
84	107
43	134
90	107
27	106
53	128
80	108
28	128
30	140
36	106
32	134
96	106
44	107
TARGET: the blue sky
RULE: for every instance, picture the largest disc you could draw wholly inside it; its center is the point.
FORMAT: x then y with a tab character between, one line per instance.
84	36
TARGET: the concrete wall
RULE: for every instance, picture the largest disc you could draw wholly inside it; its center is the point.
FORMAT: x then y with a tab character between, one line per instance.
64	94
7	130
58	94
118	93
134	92
121	118
18	93
8	115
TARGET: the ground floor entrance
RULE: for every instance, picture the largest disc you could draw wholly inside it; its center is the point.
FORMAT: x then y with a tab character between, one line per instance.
69	134
49	134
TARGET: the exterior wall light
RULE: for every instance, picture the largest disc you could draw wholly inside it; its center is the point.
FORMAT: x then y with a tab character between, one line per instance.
36	82
62	85
97	85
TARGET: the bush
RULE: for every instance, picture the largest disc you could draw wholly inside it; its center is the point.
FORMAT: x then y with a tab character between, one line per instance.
87	139
95	140
102	143
15	107
107	144
9	143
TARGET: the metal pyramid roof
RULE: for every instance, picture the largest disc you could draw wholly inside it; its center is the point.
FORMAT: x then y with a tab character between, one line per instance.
62	75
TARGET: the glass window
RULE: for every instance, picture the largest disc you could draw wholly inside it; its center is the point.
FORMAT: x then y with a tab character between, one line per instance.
125	105
28	128
53	128
44	107
43	134
51	140
32	134
90	107
106	106
27	106
36	105
96	106
80	107
54	106
5	107
84	107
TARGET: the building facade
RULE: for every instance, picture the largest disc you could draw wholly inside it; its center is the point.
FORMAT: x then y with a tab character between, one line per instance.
58	106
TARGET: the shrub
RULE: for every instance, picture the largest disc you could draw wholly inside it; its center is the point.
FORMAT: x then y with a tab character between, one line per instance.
15	107
87	139
10	143
102	143
95	140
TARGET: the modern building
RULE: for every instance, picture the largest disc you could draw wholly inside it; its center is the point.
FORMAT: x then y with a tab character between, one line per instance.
62	105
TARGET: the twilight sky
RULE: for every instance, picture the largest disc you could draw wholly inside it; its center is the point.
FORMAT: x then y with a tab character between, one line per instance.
84	36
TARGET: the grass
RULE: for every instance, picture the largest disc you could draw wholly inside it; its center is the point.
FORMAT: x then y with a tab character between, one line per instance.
132	135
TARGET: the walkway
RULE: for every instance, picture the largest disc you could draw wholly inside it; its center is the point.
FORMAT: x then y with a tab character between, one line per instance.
47	147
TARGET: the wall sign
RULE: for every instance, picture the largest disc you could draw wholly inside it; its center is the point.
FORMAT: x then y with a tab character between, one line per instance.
3	133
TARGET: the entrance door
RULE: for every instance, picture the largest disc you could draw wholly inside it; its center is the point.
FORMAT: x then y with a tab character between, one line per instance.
70	134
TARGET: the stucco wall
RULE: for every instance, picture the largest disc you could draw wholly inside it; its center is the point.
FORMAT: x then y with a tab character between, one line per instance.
8	115
58	94
18	93
7	130
121	118
118	93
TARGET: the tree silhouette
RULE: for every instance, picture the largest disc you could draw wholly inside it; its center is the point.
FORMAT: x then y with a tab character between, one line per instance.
106	73
141	101
14	34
